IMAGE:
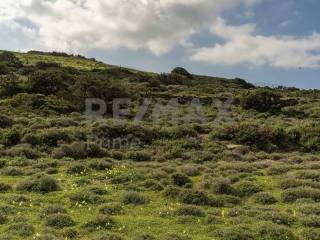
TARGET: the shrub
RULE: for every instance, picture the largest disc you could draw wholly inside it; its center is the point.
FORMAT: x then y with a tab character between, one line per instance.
51	137
100	165
70	233
10	60
53	209
172	192
45	65
189	210
111	209
3	219
222	186
22	150
12	171
180	180
290	183
87	197
277	217
133	198
311	234
311	221
262	101
22	229
264	198
77	150
310	209
4	69
10	137
246	188
291	195
5	121
76	168
153	185
194	197
41	184
5	187
181	71
59	221
9	85
235	233
101	222
270	231
49	82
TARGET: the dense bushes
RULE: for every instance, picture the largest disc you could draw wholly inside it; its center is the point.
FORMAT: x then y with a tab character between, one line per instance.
293	194
135	198
246	188
5	121
41	184
262	101
264	198
59	221
10	60
190	211
78	150
49	82
256	136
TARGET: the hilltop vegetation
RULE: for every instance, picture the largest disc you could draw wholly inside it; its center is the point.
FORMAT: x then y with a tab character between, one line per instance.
251	170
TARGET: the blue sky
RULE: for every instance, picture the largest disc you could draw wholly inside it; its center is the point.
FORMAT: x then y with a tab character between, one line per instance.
267	42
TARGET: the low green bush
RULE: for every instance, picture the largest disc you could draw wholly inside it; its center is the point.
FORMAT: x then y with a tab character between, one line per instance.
262	101
277	217
78	150
111	209
264	198
180	180
53	209
5	121
312	221
100	165
86	197
21	229
235	233
76	168
189	210
246	188
40	183
59	221
291	195
135	198
271	231
194	197
5	187
101	222
222	186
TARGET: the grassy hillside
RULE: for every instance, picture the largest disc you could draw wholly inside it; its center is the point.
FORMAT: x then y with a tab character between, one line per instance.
250	171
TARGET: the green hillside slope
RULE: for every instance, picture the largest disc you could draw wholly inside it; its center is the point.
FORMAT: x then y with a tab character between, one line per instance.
239	162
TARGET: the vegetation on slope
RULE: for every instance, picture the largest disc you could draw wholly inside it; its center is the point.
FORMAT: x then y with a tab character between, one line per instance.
255	176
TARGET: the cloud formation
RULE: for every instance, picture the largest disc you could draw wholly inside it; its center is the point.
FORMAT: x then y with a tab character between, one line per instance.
242	46
155	25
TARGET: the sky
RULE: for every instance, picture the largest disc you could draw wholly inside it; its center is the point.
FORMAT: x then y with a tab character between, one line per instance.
266	42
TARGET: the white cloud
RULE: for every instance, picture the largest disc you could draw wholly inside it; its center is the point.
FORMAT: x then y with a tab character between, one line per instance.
242	46
80	25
